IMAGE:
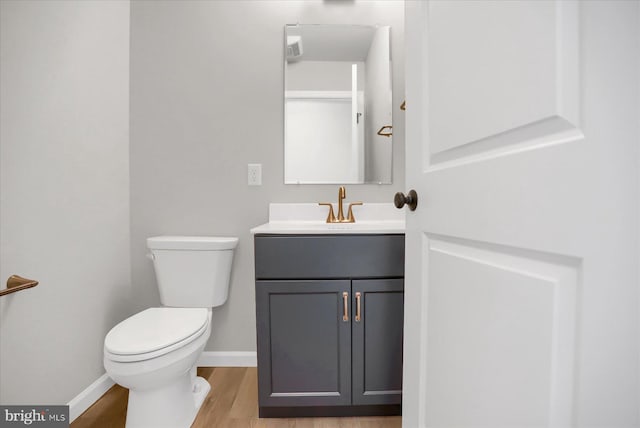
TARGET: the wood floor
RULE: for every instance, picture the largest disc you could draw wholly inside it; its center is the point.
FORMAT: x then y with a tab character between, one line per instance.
232	403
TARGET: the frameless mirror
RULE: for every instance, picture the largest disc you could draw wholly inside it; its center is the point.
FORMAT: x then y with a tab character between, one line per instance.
337	104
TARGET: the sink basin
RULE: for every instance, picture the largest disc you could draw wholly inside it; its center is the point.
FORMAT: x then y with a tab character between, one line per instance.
310	219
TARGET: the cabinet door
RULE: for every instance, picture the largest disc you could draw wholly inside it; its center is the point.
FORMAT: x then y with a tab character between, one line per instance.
377	341
304	343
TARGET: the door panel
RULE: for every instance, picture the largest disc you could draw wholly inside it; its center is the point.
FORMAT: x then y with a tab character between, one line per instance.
521	275
520	58
377	341
303	319
500	332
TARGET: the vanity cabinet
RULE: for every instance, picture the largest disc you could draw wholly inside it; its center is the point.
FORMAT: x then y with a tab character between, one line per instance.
329	312
377	341
304	356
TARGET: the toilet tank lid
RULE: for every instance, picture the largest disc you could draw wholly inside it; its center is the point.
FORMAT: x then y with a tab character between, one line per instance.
192	243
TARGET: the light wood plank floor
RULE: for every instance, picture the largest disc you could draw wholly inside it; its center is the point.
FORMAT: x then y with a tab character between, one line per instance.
232	403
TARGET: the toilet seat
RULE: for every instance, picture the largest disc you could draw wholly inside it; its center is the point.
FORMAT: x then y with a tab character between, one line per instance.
155	332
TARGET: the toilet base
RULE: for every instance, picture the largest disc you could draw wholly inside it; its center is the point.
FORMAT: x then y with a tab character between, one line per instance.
172	406
200	390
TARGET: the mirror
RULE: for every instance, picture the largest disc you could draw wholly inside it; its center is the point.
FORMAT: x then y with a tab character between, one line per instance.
337	104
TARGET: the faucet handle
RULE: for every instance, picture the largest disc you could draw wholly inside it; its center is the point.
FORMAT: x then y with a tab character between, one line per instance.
331	218
350	217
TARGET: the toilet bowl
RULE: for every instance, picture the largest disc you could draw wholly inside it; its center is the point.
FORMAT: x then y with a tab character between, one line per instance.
154	352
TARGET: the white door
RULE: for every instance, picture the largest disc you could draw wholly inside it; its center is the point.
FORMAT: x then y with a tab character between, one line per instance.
522	274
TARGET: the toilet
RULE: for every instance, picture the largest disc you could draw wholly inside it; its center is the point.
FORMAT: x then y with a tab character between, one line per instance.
154	352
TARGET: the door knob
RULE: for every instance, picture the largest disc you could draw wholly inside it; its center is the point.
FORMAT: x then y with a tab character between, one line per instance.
411	200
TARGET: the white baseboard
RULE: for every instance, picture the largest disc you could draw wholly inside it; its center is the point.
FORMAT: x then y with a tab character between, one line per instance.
228	359
90	395
93	392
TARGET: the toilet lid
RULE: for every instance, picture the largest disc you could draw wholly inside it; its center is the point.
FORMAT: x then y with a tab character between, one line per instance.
154	329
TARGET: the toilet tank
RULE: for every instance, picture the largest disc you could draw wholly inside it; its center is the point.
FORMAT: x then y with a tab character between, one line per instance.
192	271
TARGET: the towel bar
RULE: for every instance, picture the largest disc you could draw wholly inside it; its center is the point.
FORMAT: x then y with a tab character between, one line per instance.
385	134
17	283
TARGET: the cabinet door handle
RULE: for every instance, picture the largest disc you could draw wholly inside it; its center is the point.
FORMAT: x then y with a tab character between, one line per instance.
358	294
345	306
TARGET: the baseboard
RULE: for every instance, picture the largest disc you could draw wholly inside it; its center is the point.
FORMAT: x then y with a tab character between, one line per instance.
90	395
228	359
93	392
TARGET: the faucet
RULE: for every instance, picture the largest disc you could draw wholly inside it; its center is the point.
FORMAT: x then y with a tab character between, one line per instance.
331	218
342	193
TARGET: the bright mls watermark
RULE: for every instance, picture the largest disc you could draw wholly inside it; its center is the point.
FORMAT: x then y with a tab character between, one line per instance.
34	416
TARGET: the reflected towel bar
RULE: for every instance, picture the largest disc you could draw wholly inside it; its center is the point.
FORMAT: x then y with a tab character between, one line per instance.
385	134
17	283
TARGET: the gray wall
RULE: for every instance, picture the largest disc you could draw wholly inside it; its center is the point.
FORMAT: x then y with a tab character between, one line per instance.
206	99
64	192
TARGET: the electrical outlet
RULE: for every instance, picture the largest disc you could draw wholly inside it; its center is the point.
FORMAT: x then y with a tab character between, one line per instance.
254	177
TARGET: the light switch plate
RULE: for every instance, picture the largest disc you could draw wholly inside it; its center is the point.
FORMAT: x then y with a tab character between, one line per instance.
254	174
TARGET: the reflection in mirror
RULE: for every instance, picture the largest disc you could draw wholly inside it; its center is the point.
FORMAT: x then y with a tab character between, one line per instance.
337	104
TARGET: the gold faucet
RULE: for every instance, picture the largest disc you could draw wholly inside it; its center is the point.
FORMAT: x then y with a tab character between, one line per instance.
342	193
331	218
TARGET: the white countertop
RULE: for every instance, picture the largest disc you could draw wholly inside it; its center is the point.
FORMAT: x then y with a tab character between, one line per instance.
311	219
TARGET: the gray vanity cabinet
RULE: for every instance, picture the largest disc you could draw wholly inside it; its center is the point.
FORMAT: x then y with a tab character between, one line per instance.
305	352
377	341
329	312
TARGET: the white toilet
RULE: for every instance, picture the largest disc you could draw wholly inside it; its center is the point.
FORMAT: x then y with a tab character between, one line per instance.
154	352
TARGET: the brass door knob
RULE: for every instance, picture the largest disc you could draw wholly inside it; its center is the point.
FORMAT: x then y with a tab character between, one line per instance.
411	200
